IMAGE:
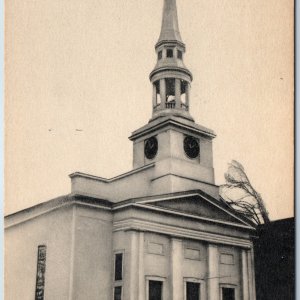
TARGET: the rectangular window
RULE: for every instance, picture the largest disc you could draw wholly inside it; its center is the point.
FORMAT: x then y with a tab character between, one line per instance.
118	266
192	291
179	54
228	293
155	290
159	55
169	52
118	293
40	273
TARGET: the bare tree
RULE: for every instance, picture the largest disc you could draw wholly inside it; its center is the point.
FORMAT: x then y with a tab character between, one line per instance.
239	194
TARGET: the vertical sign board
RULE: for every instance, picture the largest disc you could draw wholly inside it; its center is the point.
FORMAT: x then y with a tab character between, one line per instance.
40	273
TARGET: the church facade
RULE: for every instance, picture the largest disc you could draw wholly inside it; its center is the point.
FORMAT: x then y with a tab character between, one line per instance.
158	232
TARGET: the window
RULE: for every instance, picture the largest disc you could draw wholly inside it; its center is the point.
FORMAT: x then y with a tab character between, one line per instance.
118	266
155	290
228	293
118	293
118	275
192	291
179	54
40	273
169	52
159	55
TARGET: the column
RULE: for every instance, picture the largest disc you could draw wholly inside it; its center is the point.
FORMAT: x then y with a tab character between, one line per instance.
213	288
134	256
141	283
187	95
245	275
154	97
177	93
176	271
162	85
251	272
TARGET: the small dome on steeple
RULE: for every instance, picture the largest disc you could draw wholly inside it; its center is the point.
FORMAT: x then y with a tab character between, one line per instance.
170	78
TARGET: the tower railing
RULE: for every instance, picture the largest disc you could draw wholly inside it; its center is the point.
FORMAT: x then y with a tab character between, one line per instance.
170	105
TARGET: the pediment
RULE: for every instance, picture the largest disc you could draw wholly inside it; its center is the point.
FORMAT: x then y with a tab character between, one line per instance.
201	207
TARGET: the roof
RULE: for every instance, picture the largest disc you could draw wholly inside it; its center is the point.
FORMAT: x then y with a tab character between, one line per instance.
140	202
169	27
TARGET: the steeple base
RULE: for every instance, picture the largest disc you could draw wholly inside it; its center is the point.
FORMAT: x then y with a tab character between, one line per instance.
171	112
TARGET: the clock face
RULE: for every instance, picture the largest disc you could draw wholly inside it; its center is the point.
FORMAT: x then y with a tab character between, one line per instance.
191	147
151	146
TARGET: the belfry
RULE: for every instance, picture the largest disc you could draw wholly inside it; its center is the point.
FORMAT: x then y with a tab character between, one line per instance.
170	78
158	232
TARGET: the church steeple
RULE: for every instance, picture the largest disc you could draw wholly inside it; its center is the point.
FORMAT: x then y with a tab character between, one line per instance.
170	78
169	27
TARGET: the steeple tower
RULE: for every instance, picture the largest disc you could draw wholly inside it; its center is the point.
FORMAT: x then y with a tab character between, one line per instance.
170	78
179	150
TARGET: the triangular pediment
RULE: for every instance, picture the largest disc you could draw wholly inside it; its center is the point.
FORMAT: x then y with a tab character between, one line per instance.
200	206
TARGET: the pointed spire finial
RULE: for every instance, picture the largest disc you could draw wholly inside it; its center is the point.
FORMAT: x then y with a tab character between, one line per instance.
169	27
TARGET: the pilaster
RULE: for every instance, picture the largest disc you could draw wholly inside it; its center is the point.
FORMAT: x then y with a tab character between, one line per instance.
245	274
141	282
176	269
134	256
213	273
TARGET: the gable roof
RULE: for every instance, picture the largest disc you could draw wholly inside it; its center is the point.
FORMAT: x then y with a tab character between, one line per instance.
191	204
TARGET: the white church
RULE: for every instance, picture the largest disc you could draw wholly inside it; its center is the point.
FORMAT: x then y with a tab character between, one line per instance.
157	232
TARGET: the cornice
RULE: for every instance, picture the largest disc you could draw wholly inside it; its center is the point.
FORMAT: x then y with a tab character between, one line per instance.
149	128
179	232
106	180
52	205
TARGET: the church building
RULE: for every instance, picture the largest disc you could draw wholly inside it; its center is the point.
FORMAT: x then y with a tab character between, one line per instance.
158	232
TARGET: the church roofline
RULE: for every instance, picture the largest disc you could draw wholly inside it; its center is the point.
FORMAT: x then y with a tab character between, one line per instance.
80	199
185	194
37	210
108	180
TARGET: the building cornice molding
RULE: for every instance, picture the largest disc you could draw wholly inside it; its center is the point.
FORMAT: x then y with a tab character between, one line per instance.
144	203
179	232
208	200
52	205
191	216
194	128
106	180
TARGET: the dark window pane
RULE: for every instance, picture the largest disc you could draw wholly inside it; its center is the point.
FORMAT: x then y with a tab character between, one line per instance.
118	266
228	294
118	293
155	290
159	55
179	54
169	52
192	291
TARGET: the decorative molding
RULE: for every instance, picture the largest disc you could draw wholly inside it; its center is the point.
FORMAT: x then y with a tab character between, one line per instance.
106	180
227	258
205	198
171	122
10	222
155	248
174	231
191	253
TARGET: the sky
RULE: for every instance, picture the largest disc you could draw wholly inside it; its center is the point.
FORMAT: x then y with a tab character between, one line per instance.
77	84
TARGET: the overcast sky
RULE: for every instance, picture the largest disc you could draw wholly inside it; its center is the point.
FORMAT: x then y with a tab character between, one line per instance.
85	65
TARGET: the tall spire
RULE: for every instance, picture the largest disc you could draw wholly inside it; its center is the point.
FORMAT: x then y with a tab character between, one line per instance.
169	27
170	78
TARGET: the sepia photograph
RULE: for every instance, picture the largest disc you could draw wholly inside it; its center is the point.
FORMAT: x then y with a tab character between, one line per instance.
149	150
